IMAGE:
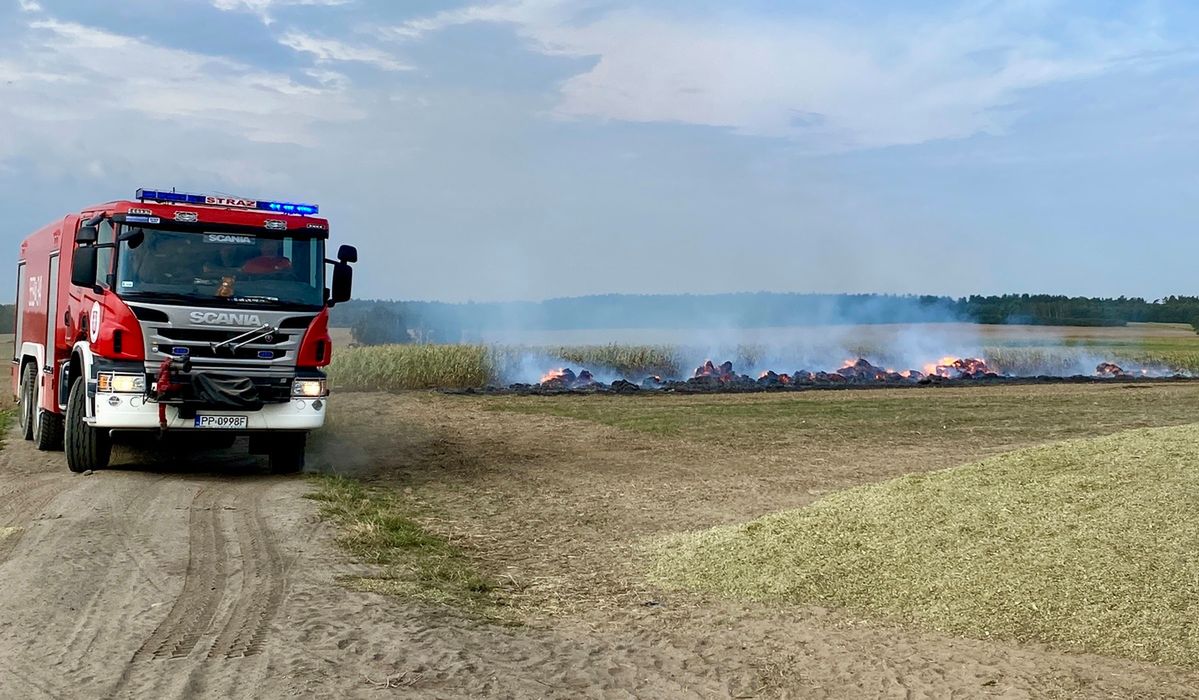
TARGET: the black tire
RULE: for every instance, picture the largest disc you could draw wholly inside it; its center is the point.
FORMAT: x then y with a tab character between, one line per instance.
47	425
286	455
86	447
47	431
28	400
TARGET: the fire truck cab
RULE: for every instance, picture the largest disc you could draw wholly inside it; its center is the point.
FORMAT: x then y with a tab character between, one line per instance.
177	313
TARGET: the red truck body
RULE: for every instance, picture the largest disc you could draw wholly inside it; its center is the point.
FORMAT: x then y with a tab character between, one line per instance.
110	333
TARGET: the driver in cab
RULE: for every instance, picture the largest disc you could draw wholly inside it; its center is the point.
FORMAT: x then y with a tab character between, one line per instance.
269	260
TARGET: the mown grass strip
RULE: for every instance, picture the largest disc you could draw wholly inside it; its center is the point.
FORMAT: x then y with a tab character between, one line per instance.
1087	544
410	561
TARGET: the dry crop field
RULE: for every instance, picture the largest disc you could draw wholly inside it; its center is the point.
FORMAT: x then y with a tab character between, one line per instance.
573	535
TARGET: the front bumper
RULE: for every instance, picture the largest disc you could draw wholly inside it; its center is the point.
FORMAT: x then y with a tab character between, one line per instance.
135	412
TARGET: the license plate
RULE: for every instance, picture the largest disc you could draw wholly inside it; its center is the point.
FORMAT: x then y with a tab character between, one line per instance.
222	422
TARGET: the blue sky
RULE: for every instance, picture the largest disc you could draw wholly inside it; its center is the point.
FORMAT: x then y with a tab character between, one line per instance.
527	149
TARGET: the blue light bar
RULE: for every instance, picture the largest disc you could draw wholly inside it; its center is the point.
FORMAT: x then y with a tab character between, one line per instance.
178	197
221	201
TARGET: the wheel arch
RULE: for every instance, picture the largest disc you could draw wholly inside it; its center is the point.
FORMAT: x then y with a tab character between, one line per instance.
31	354
79	367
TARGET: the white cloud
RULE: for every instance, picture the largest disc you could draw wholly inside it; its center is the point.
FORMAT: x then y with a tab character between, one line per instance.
73	91
331	50
827	85
29	5
238	98
264	5
519	12
262	8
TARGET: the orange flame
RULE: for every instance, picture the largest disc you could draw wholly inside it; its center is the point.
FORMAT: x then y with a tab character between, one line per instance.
554	374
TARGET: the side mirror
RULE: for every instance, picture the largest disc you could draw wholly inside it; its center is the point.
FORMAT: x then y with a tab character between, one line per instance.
83	267
343	281
87	234
347	254
134	237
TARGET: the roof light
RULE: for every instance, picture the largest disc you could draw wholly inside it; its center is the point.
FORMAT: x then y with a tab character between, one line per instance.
221	201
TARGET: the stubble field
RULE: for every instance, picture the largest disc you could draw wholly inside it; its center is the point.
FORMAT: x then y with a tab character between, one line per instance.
587	517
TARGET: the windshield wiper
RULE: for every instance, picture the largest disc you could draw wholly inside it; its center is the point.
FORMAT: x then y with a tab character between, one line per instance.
170	296
201	300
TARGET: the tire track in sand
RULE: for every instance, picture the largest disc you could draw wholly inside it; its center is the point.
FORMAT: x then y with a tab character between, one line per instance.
262	584
21	505
123	507
203	608
203	586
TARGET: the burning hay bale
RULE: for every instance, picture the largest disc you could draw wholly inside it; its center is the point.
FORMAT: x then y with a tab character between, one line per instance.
769	378
713	376
961	368
860	372
1110	369
652	382
565	378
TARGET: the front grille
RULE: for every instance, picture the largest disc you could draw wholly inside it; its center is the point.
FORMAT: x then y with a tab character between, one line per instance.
215	335
197	343
273	354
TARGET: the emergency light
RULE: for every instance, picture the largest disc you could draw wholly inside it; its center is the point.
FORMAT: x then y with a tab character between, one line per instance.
221	201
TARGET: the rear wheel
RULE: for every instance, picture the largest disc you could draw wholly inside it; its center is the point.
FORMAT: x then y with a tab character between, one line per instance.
28	400
86	447
47	425
286	454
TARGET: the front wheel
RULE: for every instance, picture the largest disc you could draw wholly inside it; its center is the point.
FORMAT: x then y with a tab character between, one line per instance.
86	447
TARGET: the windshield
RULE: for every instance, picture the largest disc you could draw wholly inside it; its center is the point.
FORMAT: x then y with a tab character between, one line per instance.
216	267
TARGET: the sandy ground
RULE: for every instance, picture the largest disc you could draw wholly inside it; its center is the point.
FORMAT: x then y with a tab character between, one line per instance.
159	578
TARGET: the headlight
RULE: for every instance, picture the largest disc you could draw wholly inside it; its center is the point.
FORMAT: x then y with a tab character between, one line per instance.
111	382
310	388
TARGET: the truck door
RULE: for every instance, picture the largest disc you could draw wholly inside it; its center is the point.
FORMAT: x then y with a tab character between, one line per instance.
52	311
49	392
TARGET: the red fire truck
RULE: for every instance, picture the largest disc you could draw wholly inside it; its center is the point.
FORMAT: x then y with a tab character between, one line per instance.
177	313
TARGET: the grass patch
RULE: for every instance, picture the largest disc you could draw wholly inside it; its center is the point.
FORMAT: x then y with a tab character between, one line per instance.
1086	544
412	562
394	367
6	418
1016	415
636	361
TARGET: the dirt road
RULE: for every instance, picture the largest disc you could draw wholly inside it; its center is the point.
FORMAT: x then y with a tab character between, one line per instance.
156	582
159	578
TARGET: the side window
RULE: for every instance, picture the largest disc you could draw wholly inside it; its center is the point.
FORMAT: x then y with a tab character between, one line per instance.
104	255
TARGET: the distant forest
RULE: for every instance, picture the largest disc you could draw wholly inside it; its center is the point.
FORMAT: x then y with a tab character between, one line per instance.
377	321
